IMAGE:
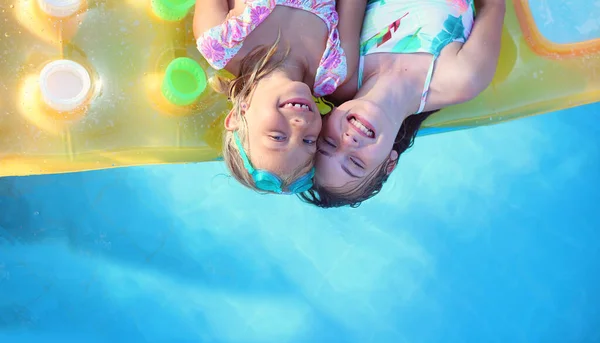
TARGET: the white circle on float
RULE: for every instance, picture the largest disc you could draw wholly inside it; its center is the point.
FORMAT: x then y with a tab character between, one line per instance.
65	85
60	8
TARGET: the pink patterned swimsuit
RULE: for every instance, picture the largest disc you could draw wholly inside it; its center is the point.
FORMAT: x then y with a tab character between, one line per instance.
221	43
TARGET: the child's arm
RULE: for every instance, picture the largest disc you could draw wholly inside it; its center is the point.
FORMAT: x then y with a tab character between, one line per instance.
209	13
351	14
472	68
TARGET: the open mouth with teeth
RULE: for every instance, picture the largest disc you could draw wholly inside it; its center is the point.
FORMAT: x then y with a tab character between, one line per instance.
363	127
297	104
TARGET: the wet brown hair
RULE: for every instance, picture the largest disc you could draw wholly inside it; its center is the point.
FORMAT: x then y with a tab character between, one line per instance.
327	198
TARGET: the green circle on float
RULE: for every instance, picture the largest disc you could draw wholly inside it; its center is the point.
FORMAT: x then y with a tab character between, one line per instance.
172	10
184	81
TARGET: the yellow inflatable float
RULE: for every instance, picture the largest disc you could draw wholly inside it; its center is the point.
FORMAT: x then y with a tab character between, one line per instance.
110	83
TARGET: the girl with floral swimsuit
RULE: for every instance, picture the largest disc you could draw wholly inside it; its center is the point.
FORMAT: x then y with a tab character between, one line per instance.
281	52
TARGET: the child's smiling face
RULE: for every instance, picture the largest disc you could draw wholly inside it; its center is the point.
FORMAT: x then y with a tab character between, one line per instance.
356	139
282	126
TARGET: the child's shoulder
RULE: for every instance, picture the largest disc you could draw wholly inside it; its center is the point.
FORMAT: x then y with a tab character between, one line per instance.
347	89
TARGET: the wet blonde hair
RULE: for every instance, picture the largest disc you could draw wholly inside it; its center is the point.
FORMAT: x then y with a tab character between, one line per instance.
258	64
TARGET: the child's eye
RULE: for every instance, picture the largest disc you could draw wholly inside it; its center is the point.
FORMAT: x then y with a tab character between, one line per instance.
329	142
309	141
357	164
278	138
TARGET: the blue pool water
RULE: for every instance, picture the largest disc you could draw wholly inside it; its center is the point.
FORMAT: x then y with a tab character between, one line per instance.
484	235
567	21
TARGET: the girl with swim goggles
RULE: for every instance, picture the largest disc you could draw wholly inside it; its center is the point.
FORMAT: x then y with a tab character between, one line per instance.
281	53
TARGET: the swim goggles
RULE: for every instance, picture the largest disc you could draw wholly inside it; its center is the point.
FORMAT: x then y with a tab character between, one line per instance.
267	181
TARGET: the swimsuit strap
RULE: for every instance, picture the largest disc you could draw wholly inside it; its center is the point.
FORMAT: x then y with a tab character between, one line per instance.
426	86
361	66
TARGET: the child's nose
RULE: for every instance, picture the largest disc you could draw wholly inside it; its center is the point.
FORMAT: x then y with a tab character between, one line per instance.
350	140
299	122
